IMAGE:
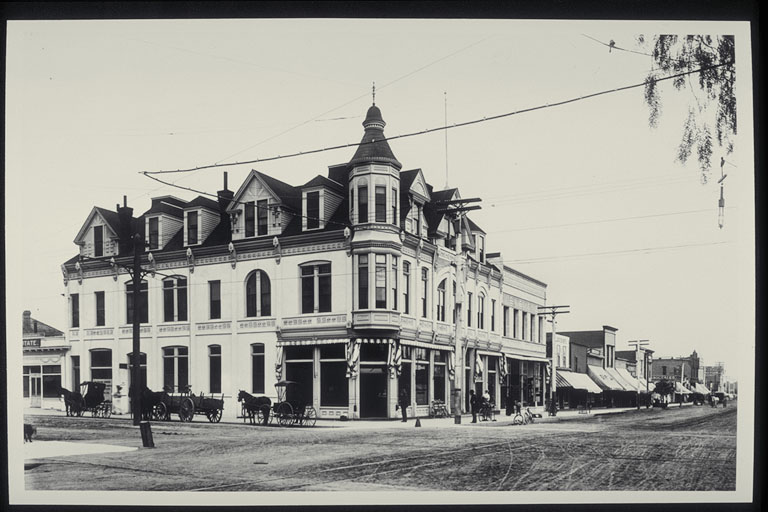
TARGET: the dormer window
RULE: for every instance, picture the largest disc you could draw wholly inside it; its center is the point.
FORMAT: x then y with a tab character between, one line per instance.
250	219
313	210
154	233
98	241
262	216
192	230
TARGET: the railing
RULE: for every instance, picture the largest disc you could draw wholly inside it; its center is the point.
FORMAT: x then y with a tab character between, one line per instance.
373	319
321	320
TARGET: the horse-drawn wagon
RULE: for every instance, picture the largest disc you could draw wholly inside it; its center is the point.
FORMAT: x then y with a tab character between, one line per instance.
187	404
292	412
90	398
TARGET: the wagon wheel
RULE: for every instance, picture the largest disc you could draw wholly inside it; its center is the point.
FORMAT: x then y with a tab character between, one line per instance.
108	409
284	414
186	410
214	416
160	412
310	417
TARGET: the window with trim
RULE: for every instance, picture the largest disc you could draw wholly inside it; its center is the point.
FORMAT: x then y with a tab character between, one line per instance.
524	334
362	281
75	309
316	288
469	309
175	369
257	368
515	321
214	368
143	310
421	374
313	210
100	317
362	204
192	228
493	315
438	374
258	294
75	372
441	301
214	293
250	218
381	281
453	304
406	287
394	283
154	233
175	299
334	385
424	291
481	311
262	216
380	193
101	369
505	320
98	241
395	219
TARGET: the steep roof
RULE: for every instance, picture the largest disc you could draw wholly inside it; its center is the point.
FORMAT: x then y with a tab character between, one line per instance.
203	202
168	205
322	181
33	327
289	194
110	217
474	227
374	146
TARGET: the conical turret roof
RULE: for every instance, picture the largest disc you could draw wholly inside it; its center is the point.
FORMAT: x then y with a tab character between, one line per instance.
374	146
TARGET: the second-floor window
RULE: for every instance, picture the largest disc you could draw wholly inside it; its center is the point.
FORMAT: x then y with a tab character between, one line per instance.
362	204
381	281
362	281
394	283
505	321
258	295
191	228
493	315
100	320
154	233
441	301
424	291
214	292
469	309
313	210
143	309
98	241
381	203
406	287
316	288
262	216
481	311
395	220
75	309
175	299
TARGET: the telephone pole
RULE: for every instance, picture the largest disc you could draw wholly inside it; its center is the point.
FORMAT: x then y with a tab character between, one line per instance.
553	311
638	344
138	248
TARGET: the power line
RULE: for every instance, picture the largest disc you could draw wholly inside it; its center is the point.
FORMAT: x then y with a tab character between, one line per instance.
455	125
609	253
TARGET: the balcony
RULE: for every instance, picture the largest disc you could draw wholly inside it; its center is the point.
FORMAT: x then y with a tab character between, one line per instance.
376	319
323	321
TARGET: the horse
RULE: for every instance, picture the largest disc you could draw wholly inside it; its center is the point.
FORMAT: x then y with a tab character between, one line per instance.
149	399
73	402
254	404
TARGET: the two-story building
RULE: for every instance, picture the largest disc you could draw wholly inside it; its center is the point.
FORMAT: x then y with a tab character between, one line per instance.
354	285
46	366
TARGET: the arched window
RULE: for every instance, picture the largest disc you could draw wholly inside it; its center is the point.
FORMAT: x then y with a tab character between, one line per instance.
481	311
143	309
258	294
315	287
175	299
441	301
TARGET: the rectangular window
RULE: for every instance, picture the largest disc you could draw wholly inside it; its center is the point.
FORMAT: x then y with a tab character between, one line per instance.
257	368
441	302
262	215
324	288
422	382
75	299
98	241
362	198
524	335
214	291
334	385
406	287
313	210
424	291
515	329
316	277
493	315
395	220
75	372
381	203
438	376
362	273
505	321
453	304
191	228
469	309
100	320
663	370
214	366
308	289
381	281
394	283
481	312
101	369
175	369
541	327
143	303
175	300
154	233
250	218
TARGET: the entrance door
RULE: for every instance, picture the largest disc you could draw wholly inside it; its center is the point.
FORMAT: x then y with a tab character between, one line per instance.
373	392
35	388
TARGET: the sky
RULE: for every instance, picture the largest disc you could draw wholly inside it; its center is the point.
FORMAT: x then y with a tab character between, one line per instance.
585	197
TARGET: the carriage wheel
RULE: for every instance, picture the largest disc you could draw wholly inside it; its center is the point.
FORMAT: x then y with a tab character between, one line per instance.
309	418
186	410
160	412
214	416
284	414
108	410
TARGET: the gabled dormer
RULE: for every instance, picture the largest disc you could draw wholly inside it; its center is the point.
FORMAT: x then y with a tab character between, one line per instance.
442	227
414	196
201	216
163	221
99	235
263	206
478	241
320	198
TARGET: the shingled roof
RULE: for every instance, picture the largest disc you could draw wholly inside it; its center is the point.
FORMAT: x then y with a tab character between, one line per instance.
32	327
374	147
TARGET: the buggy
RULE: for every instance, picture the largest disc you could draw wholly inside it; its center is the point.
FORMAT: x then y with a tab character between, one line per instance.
92	400
292	412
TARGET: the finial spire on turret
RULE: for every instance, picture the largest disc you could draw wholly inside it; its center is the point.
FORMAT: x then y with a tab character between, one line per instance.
374	93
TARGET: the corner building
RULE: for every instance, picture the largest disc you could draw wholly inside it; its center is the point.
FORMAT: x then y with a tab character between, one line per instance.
355	286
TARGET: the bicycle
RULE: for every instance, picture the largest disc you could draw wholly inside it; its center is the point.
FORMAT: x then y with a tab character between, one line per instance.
438	409
523	418
486	412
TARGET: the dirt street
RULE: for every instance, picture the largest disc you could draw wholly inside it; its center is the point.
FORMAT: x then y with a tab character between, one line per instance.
692	448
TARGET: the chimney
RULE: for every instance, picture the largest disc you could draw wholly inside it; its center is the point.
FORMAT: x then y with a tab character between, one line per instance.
27	322
125	217
225	197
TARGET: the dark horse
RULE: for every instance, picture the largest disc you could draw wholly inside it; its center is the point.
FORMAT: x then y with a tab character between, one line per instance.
73	402
149	401
253	405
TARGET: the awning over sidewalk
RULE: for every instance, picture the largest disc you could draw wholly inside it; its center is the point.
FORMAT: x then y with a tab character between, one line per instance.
527	358
424	344
701	388
293	343
603	378
680	389
630	383
575	380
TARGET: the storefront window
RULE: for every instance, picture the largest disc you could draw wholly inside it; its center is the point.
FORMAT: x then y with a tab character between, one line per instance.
374	352
438	377
101	369
214	362
334	385
422	382
51	380
491	383
257	368
298	368
75	372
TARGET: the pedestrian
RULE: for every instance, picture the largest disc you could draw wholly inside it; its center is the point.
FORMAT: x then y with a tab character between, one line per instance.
403	403
473	403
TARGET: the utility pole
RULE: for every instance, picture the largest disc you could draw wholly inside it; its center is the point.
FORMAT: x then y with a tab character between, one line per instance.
138	248
638	344
553	311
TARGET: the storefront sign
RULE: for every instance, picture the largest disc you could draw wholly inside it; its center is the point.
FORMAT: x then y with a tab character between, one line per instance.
35	342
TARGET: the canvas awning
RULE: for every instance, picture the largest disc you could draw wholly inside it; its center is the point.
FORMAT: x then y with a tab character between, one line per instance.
603	378
575	380
701	388
630	383
300	342
680	389
528	358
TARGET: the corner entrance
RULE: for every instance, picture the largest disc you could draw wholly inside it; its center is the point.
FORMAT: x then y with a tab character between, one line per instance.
373	392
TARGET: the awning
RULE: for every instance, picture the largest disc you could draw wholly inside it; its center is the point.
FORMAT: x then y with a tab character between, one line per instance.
603	378
630	383
424	344
294	343
680	389
575	380
528	358
488	353
643	389
701	388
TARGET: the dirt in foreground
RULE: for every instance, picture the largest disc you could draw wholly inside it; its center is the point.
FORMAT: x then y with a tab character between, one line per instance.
692	448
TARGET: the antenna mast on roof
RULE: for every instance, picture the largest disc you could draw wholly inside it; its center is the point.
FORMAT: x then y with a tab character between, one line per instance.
445	94
374	93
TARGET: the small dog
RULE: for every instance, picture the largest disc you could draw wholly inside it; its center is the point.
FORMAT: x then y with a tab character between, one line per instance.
29	431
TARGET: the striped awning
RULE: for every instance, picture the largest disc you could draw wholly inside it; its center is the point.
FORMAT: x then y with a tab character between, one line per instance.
569	379
623	377
603	378
489	353
324	341
424	344
537	359
701	388
680	389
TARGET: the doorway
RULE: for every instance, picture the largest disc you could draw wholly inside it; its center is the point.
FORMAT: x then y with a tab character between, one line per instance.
35	391
373	392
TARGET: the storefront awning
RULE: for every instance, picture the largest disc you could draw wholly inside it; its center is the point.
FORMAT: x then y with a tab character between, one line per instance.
490	353
293	343
701	388
528	358
603	378
58	348
575	380
424	344
680	389
629	382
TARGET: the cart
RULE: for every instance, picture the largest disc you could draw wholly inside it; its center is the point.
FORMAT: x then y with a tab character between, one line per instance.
291	412
92	400
187	404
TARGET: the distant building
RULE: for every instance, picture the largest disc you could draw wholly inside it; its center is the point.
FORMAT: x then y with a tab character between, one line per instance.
45	368
714	377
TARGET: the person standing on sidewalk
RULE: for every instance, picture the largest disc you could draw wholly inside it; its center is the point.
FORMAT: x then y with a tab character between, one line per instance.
473	403
404	402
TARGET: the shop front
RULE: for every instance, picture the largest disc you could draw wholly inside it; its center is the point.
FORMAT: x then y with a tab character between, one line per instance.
44	372
524	384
